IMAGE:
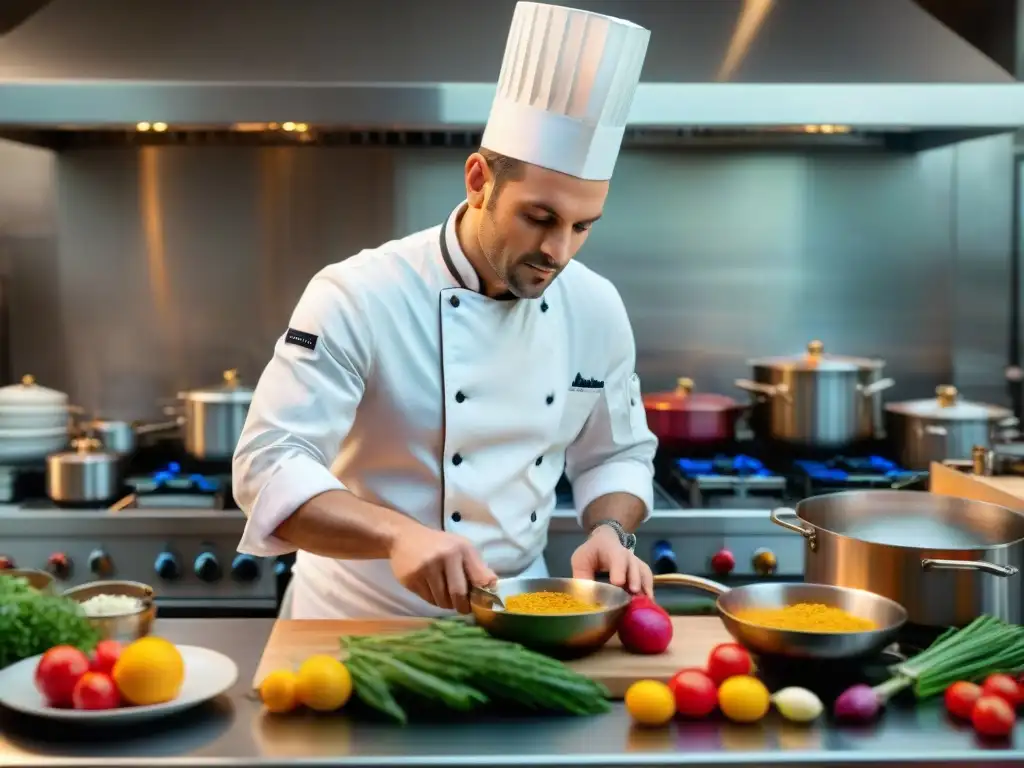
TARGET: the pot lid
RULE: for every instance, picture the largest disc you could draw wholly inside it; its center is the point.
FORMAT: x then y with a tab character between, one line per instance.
683	398
28	393
230	390
85	450
947	405
815	359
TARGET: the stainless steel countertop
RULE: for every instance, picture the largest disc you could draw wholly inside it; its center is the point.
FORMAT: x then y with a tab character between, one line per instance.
233	731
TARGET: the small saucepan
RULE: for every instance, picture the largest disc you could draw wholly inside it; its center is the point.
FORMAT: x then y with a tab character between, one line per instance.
888	615
684	417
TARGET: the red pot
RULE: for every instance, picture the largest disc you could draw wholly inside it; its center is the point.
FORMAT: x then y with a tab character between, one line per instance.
685	417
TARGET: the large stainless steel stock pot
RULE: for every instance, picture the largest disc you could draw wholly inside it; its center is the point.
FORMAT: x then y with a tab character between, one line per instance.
947	560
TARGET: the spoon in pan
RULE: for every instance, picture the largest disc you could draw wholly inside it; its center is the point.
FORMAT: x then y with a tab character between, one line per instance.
491	594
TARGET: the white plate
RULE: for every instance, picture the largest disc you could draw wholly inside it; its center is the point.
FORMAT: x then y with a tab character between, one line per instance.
208	674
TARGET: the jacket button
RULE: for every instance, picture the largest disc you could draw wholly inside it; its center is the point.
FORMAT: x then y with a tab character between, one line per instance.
549	399
459	397
533	517
457	459
543	306
456	516
538	460
454	301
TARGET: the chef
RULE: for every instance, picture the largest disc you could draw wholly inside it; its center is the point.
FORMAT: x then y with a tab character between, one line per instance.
408	433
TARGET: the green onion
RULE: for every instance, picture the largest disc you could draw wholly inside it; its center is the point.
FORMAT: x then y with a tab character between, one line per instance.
984	647
461	667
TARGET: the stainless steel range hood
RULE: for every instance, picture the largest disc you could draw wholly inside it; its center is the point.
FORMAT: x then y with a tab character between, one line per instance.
714	68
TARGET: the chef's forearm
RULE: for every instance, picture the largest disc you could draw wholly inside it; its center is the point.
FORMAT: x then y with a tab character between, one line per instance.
339	524
624	508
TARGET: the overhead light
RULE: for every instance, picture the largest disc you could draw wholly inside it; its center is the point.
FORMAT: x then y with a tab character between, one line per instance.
289	126
143	126
159	127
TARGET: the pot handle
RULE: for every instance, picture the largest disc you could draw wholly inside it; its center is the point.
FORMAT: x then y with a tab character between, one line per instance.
875	387
776	516
162	426
765	390
807	533
686	580
969	565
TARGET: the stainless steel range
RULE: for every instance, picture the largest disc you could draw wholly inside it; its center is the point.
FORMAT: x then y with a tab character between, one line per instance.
173	532
733	545
177	528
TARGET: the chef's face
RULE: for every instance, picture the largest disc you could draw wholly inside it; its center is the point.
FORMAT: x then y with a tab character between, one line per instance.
533	224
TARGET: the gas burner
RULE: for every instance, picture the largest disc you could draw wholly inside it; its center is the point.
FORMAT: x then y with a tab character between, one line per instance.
171	487
738	476
844	473
172	480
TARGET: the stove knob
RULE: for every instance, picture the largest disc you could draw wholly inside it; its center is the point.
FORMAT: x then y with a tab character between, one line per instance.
59	565
6	563
663	558
100	563
764	561
723	562
207	567
245	568
167	566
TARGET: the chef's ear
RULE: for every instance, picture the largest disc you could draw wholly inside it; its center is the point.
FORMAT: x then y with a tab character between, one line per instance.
479	180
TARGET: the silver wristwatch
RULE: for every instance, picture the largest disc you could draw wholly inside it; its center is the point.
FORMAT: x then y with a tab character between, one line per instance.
627	539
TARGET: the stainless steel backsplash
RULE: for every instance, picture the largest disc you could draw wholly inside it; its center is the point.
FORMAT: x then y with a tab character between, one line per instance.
141	272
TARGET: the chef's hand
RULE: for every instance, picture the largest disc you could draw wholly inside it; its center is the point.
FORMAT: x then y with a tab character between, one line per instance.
603	552
440	567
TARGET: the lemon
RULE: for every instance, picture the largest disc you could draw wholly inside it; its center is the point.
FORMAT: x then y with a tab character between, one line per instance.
278	691
149	671
323	683
743	699
650	702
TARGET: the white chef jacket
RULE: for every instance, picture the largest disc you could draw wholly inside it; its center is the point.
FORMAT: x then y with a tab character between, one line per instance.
399	381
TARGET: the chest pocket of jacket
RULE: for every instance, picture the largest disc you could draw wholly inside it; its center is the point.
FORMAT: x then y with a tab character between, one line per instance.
578	407
628	417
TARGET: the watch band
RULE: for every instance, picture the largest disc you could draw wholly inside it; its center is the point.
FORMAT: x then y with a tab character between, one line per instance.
627	539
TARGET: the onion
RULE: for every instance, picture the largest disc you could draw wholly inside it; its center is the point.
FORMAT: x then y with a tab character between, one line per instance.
645	629
797	704
858	704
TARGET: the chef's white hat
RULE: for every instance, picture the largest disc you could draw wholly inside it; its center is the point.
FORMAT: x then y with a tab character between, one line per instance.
566	85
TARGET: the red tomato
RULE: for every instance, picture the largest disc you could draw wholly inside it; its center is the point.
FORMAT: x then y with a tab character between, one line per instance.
58	672
961	698
95	690
105	656
1003	686
728	660
992	716
696	694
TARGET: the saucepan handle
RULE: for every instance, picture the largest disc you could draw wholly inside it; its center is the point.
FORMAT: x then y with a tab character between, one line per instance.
995	569
686	580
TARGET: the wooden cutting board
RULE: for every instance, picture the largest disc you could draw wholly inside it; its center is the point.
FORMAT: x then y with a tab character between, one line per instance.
293	641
